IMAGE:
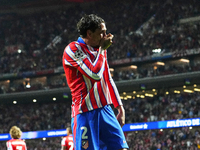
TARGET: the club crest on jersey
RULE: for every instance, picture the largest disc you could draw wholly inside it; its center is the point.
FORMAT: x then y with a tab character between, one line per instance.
79	54
85	144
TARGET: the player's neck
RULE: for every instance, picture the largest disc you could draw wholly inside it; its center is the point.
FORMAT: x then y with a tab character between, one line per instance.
89	42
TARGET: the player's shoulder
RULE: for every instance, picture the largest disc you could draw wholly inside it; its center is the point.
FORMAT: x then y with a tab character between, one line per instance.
64	139
70	137
72	47
11	140
19	141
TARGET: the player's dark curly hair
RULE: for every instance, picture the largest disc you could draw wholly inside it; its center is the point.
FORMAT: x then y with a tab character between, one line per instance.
89	22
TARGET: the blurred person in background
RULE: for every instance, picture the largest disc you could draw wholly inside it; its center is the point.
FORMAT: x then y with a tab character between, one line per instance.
67	142
93	90
15	143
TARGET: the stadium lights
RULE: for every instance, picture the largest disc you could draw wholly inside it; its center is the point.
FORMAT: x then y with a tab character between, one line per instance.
121	97
160	63
188	91
134	92
195	85
153	90
34	100
128	96
185	60
184	86
149	95
178	92
54	99
167	93
19	51
196	89
133	66
142	96
124	93
14	102
158	50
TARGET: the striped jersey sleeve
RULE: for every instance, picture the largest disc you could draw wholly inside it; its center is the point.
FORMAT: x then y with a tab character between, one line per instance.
116	100
74	56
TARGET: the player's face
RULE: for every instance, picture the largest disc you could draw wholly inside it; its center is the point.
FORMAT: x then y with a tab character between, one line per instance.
98	35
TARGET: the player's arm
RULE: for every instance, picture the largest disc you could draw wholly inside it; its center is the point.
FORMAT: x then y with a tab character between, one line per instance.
117	103
63	148
9	145
25	147
116	99
75	57
121	115
63	144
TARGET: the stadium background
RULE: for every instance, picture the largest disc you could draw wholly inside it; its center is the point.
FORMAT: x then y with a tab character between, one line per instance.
154	61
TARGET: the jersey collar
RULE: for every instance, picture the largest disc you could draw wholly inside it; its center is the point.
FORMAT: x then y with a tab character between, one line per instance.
80	40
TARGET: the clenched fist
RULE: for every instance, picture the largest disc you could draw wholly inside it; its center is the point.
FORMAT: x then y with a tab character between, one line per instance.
106	41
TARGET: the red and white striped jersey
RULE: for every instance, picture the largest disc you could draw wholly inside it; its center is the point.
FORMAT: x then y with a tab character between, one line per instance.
88	77
16	144
68	142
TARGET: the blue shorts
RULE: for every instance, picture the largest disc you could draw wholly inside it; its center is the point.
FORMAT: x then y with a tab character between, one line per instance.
98	130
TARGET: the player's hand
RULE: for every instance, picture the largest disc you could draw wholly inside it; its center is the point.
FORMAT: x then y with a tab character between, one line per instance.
121	115
106	41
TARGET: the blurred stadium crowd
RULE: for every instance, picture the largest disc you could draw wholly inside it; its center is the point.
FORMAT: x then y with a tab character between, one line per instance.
139	27
56	115
32	45
158	108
